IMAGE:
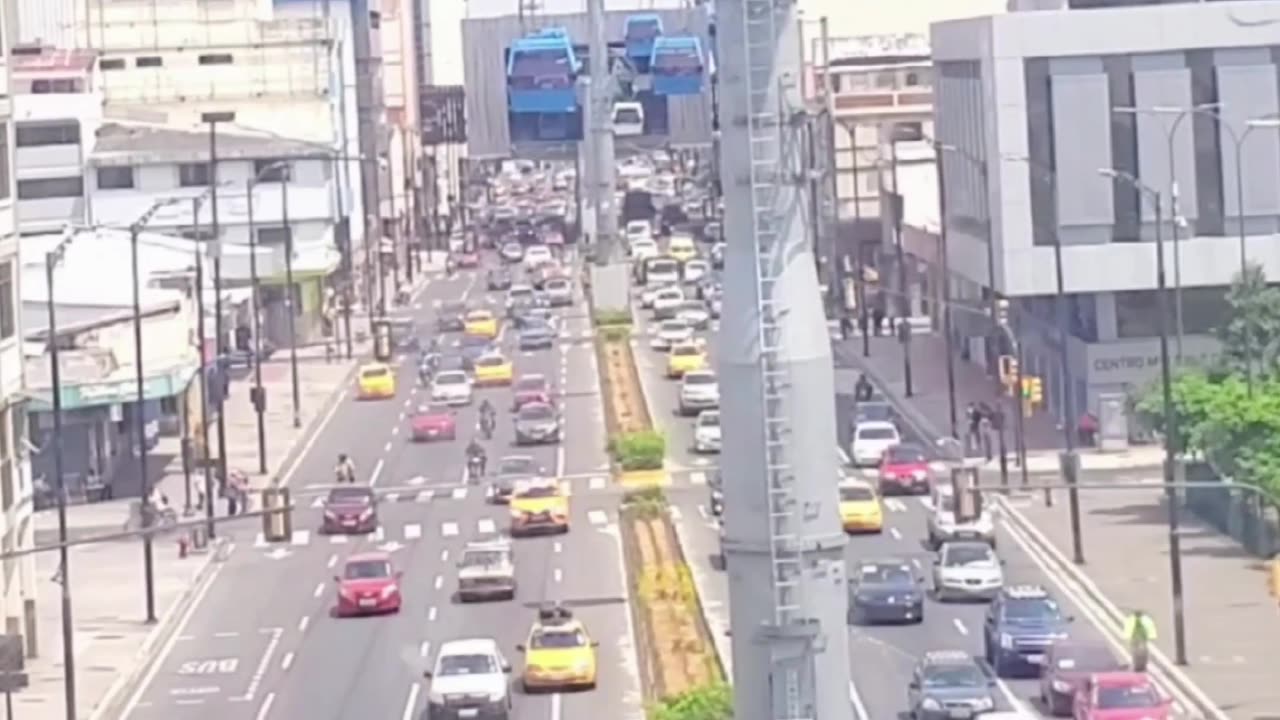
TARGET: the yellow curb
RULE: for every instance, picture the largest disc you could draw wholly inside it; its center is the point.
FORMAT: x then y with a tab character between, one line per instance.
644	479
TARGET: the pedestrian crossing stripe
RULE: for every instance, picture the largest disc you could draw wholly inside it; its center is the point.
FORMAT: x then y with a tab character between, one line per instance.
675	513
596	483
449	529
459	493
487	526
598	517
698	478
414	531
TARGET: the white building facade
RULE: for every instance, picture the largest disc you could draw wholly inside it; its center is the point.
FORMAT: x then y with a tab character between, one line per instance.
17	531
1036	103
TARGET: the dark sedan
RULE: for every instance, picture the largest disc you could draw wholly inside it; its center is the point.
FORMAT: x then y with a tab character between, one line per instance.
350	510
472	348
885	591
537	423
498	280
451	317
1066	666
537	335
716	486
511	470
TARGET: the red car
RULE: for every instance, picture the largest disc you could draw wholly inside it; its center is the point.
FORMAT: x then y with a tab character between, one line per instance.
1067	666
1120	696
904	470
468	258
530	389
434	422
368	586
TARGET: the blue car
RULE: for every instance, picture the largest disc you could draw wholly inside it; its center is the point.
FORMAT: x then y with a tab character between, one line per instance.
472	348
1022	623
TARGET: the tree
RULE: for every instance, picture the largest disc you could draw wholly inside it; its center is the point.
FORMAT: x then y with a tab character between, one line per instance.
1251	336
709	702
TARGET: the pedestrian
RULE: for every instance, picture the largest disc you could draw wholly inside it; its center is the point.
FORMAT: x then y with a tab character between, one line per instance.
986	424
862	323
1087	429
846	327
877	320
974	437
1139	632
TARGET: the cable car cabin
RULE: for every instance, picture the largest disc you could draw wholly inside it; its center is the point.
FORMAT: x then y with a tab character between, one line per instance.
541	75
638	35
628	119
677	65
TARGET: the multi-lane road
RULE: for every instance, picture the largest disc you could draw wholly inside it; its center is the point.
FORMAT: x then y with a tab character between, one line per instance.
881	658
261	643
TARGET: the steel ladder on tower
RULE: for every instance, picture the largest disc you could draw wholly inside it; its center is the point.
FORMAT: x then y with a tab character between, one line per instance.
765	124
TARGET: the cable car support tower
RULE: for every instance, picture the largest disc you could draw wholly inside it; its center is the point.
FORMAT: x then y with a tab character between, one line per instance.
783	546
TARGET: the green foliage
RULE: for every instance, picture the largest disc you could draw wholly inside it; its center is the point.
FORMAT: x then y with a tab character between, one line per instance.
607	318
638	450
709	702
615	333
1251	337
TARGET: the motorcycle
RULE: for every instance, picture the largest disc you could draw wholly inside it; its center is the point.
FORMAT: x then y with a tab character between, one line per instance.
487	423
475	468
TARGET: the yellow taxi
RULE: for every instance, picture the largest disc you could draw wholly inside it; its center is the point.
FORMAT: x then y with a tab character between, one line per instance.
493	369
539	506
686	357
559	653
376	381
860	510
481	323
682	248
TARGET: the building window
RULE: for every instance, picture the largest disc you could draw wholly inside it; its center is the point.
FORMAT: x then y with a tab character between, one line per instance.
204	232
908	132
8	304
59	86
5	178
111	64
194	174
7	495
46	188
115	178
375	20
281	173
29	135
273	235
150	61
216	59
886	80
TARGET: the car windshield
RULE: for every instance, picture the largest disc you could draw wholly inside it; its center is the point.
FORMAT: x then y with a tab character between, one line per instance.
512	248
451	378
531	384
695	265
1035	610
472	342
906	455
693	306
709	419
367	570
453	308
551	639
887	574
973	554
434	410
1127	696
663	267
539	491
1083	658
874	411
374	373
856	494
491	361
699	379
452	665
479	316
685	351
483	558
536	412
557	284
517	466
877	433
955	676
349	495
517	292
674	326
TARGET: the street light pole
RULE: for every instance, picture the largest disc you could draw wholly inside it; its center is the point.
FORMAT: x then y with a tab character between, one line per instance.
258	395
213	118
954	416
51	261
140	425
290	305
1170	417
204	379
903	302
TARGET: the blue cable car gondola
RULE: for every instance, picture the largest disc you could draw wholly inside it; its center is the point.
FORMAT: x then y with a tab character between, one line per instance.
677	65
638	34
542	71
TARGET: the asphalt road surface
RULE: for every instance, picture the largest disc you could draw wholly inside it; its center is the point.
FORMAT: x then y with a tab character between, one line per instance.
262	643
881	658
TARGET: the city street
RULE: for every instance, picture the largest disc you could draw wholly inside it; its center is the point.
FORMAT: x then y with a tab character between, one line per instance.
881	657
263	644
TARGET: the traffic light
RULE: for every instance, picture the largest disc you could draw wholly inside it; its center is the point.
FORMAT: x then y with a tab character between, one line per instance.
1008	369
1002	312
1032	390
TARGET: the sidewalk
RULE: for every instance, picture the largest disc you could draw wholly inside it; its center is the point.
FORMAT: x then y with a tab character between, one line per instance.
111	639
931	405
1232	626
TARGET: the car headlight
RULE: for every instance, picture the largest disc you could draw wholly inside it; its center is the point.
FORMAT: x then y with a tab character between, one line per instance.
435	698
388	591
1061	686
1006	641
582	666
330	515
984	704
496	697
931	704
919	475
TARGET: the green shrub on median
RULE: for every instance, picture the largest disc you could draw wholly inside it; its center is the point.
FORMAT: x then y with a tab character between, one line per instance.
642	450
610	318
709	702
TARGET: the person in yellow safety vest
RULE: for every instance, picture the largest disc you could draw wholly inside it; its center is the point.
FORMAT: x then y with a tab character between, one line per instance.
1139	632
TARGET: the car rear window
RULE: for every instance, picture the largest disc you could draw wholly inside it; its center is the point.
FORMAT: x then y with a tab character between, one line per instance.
856	494
685	351
451	378
479	315
699	379
709	419
876	434
491	361
374	373
367	570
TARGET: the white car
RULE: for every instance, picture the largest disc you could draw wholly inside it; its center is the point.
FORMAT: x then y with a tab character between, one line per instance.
537	255
512	252
945	526
639	230
695	313
646	297
870	440
666	302
695	270
559	292
452	387
671	333
967	570
628	119
662	271
517	294
706	432
643	248
469	668
699	390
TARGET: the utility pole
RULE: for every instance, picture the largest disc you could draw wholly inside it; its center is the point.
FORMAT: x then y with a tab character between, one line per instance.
369	115
610	278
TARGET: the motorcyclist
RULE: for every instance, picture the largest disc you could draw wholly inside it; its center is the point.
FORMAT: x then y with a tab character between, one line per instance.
345	469
487	411
476	455
487	423
450	265
862	389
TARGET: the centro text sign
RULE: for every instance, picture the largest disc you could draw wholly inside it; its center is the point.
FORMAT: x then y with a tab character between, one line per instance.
1137	362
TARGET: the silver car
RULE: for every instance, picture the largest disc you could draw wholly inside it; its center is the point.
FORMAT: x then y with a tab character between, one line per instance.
559	292
967	570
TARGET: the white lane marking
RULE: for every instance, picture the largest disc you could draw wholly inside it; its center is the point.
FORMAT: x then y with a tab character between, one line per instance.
315	436
486	526
287	661
598	517
557	575
419	480
444	556
557	547
426	495
431	614
459	493
337	539
560	461
260	541
387	447
395	429
697	478
439	583
226	635
702	510
256	681
895	505
319	590
425	648
377	471
895	534
303	623
412	531
391	497
301	537
378	534
411	702
556	710
960	628
449	529
596	483
859	709
267	702
317	503
675	513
